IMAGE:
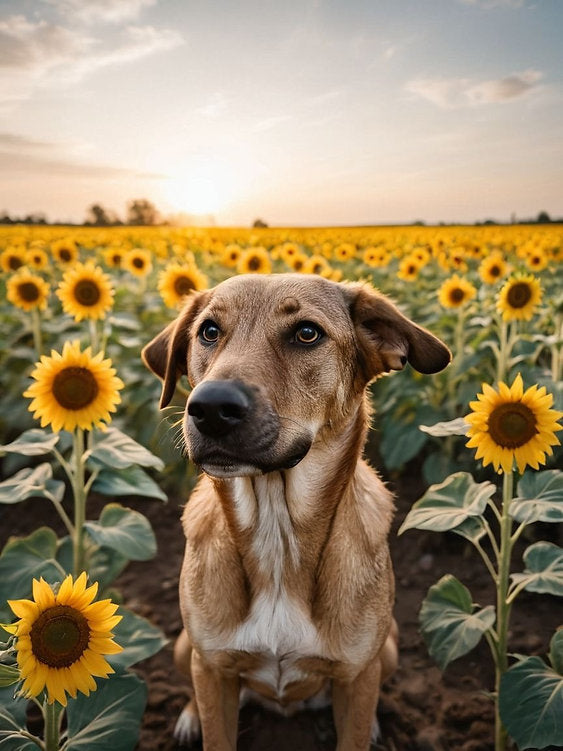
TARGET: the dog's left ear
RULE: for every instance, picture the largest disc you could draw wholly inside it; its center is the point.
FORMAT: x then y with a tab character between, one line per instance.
388	340
167	354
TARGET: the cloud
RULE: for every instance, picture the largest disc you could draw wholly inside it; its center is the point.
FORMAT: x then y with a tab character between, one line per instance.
217	106
451	93
20	155
107	11
33	53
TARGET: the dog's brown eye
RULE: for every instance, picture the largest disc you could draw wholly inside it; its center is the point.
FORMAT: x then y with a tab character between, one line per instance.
308	333
209	332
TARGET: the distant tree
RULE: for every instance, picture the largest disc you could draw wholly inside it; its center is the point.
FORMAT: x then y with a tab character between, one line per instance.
259	223
543	218
141	212
36	217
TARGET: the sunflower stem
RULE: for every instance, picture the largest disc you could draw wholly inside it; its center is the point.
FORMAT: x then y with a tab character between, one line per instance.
503	604
36	328
94	338
52	716
78	488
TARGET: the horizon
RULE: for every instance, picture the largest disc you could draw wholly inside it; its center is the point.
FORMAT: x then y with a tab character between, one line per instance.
308	114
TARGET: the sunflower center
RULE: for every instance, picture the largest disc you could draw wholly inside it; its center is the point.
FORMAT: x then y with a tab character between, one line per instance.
183	285
138	263
519	295
512	424
28	291
456	295
75	388
494	271
15	263
86	292
65	255
60	636
254	263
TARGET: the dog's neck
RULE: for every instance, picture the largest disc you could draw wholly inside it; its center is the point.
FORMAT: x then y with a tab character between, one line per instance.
282	520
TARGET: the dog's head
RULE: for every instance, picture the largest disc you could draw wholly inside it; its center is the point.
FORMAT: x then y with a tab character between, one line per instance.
274	360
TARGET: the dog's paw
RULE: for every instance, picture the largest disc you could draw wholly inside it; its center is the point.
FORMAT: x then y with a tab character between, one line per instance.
188	728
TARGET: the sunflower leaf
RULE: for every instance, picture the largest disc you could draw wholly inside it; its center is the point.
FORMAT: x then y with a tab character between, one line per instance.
124	530
25	558
29	482
540	497
129	481
544	569
115	449
451	427
34	442
449	504
138	637
531	699
108	718
450	625
9	674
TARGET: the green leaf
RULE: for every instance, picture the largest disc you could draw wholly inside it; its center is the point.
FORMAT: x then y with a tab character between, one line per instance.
29	482
109	718
540	497
544	569
34	442
449	624
451	427
26	558
9	675
125	530
449	504
531	699
473	528
129	481
12	720
116	449
138	637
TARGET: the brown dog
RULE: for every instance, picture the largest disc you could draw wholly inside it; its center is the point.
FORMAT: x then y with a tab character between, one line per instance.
287	585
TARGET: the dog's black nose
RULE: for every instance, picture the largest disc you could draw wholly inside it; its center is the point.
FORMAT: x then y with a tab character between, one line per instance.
217	407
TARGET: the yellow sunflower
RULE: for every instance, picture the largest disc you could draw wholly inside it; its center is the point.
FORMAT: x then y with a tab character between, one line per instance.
230	255
85	291
65	252
492	268
519	297
455	292
12	258
37	258
409	268
376	257
60	639
344	251
298	262
113	256
73	389
27	290
512	425
537	260
177	280
317	264
138	261
254	261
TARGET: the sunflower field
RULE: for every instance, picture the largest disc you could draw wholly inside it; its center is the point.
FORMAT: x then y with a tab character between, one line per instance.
77	304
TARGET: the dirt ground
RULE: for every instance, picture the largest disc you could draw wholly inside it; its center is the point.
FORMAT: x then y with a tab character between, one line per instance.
421	709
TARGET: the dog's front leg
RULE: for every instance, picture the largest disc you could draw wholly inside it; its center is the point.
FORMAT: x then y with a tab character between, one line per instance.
354	705
217	698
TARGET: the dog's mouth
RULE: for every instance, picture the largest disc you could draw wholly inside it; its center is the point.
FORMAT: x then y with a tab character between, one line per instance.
219	464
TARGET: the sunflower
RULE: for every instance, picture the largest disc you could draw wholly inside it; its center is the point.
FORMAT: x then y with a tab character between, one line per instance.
376	257
113	256
537	260
492	268
317	264
37	258
519	297
60	639
344	252
298	262
455	292
85	291
230	255
74	389
12	258
512	425
177	280
138	261
27	290
65	252
254	261
409	268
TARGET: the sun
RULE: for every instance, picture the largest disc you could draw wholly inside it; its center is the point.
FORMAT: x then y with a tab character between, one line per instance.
204	186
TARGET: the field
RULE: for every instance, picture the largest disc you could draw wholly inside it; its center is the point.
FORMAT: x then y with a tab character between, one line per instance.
492	293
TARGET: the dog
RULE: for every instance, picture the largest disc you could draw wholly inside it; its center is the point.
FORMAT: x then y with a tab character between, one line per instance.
286	587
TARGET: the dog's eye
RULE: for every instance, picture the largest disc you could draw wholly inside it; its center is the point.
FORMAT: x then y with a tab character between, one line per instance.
209	332
308	333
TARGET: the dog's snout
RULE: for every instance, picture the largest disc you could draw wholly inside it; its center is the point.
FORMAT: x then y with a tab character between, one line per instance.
217	407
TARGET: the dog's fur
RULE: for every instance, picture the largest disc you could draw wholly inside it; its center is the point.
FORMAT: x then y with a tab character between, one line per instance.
286	587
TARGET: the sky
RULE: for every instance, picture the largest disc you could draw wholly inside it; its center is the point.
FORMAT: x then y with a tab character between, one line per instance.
298	112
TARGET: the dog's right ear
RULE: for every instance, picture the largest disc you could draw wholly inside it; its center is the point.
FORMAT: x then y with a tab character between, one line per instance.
167	354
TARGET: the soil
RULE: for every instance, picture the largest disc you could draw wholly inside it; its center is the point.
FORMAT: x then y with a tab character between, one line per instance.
421	708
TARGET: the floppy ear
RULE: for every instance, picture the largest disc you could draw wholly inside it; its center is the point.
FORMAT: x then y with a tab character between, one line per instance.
167	354
388	340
